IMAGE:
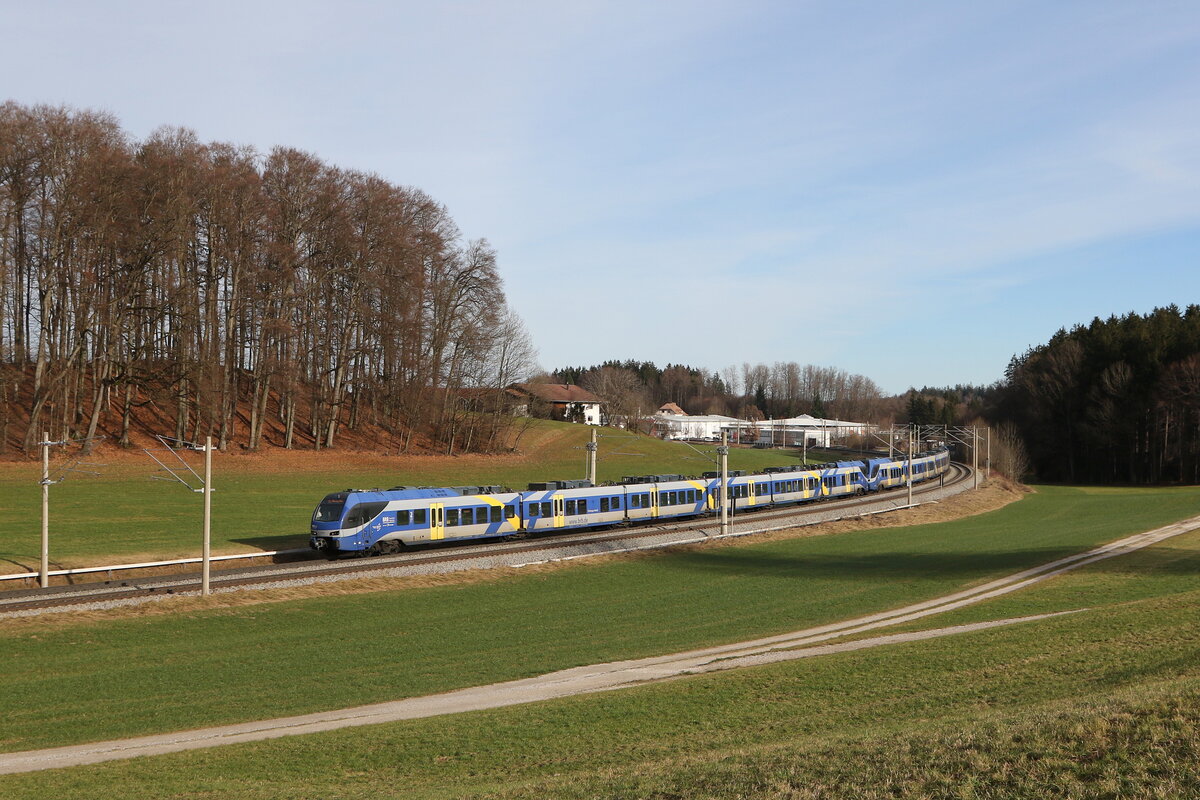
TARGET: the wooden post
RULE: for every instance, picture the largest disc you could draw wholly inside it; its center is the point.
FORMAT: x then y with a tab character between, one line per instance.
723	451
44	570
207	552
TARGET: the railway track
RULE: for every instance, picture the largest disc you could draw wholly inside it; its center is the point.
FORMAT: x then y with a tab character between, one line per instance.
471	555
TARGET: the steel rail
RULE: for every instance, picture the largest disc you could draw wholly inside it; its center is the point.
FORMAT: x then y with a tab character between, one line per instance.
161	585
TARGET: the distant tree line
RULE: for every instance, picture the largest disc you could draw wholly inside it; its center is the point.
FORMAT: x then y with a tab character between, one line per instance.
751	391
1114	401
954	405
234	292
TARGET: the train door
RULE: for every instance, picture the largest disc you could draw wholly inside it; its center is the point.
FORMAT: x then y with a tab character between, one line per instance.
437	521
560	517
654	503
752	493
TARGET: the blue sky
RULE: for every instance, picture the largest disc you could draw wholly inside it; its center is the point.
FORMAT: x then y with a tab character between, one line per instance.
912	191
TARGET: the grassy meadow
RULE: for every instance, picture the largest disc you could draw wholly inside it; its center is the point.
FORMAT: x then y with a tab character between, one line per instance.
265	501
1095	704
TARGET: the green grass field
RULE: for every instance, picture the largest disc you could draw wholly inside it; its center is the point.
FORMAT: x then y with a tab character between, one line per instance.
922	715
266	502
1087	706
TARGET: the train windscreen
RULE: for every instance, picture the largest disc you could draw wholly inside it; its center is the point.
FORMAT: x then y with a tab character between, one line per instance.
331	508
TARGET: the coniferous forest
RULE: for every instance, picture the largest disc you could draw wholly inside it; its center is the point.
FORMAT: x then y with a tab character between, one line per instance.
257	298
1116	401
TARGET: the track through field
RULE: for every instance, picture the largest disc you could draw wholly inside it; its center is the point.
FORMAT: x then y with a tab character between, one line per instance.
474	555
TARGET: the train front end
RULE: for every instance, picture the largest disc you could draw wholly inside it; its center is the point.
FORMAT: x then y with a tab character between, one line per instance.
326	532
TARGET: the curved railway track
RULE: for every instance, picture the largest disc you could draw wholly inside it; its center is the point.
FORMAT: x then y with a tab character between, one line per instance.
515	552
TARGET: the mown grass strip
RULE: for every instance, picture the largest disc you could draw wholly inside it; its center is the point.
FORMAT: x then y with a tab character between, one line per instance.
123	678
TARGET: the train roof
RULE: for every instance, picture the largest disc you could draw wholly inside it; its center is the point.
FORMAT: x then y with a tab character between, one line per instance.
416	492
552	486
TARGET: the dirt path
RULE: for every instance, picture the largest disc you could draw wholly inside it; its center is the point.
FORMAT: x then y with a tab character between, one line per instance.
600	677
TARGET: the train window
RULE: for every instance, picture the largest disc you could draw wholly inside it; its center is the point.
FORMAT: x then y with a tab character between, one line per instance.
451	517
510	512
496	514
581	507
570	507
533	509
401	517
616	503
468	516
331	508
362	513
603	504
545	509
419	516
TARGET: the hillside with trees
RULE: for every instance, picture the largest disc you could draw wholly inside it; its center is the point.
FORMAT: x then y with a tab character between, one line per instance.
1115	401
212	290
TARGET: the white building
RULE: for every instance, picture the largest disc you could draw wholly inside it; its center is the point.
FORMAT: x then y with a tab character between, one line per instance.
792	432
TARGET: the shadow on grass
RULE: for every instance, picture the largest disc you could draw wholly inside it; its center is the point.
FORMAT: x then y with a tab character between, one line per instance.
288	541
902	565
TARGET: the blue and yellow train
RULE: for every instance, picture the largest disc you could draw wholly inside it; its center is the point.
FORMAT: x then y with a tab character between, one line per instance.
383	521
